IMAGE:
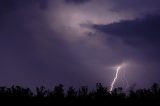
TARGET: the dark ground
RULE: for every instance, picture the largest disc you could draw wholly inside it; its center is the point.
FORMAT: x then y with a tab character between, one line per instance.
101	96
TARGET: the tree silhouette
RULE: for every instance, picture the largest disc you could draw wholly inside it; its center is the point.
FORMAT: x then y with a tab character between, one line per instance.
71	93
41	92
17	94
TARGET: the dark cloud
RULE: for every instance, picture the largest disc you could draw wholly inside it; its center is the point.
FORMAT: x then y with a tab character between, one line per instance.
77	1
136	39
137	32
140	7
10	5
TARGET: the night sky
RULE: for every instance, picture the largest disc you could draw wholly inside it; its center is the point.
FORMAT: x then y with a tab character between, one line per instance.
79	42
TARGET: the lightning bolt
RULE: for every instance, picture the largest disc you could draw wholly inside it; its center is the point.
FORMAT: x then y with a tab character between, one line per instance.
115	78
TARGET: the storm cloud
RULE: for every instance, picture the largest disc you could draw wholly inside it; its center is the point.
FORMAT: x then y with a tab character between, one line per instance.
77	42
31	53
137	32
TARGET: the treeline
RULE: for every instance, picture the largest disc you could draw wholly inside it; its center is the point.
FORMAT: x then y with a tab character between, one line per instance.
100	95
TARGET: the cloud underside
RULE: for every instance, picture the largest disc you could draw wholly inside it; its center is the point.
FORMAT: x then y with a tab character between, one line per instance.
138	32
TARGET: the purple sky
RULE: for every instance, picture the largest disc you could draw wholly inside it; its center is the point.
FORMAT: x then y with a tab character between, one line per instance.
77	42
